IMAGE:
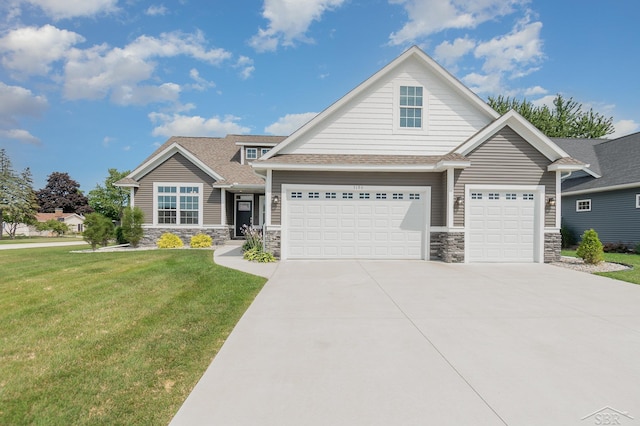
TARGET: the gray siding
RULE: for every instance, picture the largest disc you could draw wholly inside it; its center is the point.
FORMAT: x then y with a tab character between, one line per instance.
504	159
434	180
179	169
613	215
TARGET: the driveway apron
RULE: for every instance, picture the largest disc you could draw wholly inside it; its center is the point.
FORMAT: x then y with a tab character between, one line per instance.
415	343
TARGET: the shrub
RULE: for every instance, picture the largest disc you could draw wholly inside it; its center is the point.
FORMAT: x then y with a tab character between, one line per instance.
637	248
257	255
568	237
590	248
120	239
98	229
132	220
200	241
59	228
169	240
618	247
253	236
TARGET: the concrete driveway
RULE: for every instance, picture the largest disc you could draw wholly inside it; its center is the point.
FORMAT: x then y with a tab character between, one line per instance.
427	343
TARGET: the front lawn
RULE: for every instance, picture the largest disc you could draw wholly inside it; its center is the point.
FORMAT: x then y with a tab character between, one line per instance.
630	275
110	338
28	240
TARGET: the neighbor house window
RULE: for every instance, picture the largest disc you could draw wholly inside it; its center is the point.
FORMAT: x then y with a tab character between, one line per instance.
178	204
411	107
637	201
252	153
583	205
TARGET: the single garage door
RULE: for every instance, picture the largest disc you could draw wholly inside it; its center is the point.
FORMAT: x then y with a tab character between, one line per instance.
501	226
362	223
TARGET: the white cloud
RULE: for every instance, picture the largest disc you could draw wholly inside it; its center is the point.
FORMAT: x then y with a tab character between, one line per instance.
156	10
101	70
480	83
535	91
428	17
200	84
289	22
19	135
623	128
32	50
289	123
18	101
448	53
516	51
60	9
246	67
182	125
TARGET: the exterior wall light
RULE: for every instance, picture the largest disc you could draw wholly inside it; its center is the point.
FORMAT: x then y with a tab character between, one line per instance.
275	199
459	201
551	201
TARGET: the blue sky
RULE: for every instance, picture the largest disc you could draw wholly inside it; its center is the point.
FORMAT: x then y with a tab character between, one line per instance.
96	84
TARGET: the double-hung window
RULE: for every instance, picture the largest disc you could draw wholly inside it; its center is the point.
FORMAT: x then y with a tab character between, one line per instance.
178	204
411	107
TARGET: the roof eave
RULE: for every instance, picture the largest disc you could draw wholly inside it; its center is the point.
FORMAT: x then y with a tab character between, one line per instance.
348	167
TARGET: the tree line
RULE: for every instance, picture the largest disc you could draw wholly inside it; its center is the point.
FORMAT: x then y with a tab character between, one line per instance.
20	203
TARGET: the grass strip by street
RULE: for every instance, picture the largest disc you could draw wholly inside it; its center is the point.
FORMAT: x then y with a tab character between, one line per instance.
629	275
111	338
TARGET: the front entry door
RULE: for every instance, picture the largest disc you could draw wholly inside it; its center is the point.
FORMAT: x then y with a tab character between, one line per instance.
244	208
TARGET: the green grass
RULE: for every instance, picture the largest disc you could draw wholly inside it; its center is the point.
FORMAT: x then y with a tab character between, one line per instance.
110	338
630	275
27	240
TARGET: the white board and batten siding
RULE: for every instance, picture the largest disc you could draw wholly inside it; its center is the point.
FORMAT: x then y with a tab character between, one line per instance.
339	222
367	123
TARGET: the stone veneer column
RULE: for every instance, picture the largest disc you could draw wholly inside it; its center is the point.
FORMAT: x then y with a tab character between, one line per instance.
272	242
552	246
447	246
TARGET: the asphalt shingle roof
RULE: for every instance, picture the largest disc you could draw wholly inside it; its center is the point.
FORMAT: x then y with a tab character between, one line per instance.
616	160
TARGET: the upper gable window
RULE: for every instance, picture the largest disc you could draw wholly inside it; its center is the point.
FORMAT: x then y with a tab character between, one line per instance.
252	153
411	107
263	151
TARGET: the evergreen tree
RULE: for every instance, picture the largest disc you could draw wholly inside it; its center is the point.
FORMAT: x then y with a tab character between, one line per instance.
17	199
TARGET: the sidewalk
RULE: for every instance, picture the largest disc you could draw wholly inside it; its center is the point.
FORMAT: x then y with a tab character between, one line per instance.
230	255
40	245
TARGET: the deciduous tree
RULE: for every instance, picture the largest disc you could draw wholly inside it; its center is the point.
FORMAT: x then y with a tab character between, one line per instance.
62	192
565	119
110	200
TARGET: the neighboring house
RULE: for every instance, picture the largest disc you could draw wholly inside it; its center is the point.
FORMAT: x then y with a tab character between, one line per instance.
74	221
606	195
409	165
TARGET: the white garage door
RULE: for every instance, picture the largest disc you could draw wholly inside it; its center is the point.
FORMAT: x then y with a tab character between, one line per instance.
367	223
501	226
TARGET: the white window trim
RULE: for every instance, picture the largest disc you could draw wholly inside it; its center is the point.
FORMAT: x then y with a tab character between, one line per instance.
396	109
200	187
252	150
637	201
584	200
263	151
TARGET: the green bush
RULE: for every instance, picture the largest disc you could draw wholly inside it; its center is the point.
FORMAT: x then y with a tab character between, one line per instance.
253	236
637	248
201	241
590	248
568	237
132	220
98	229
169	240
59	228
257	255
120	239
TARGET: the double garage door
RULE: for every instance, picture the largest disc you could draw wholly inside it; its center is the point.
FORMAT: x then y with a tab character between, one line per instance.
355	222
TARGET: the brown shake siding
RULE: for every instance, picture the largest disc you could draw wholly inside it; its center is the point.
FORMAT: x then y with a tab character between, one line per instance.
180	170
506	159
434	180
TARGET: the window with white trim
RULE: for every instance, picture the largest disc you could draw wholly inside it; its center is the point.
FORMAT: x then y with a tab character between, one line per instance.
583	205
263	151
398	196
381	196
414	196
511	197
364	195
494	196
476	195
314	195
330	195
411	107
347	195
178	204
637	201
528	197
252	153
295	195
